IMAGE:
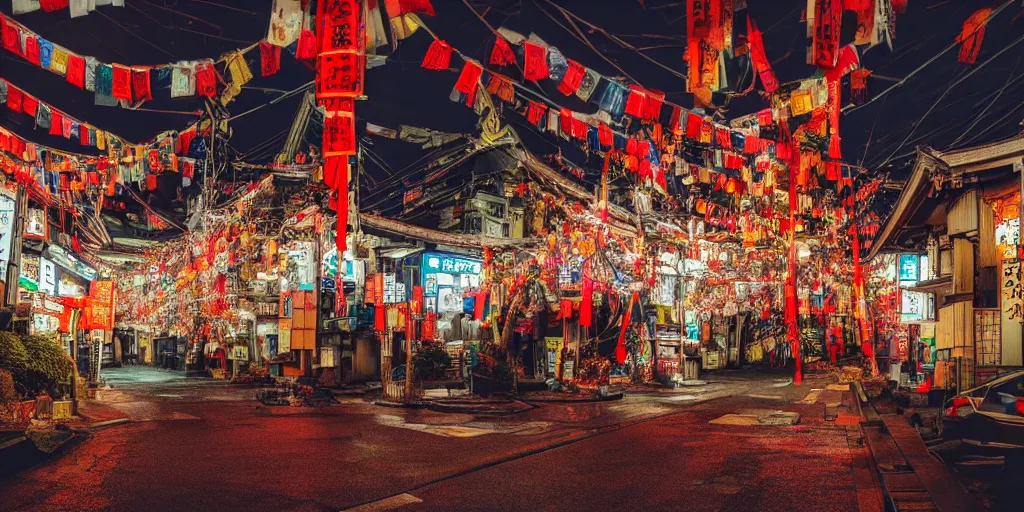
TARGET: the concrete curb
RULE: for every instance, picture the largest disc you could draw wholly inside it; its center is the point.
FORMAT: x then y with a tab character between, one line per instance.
455	408
109	423
608	398
399	405
12	442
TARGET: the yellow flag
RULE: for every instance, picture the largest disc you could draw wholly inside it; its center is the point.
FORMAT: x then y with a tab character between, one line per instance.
405	25
59	61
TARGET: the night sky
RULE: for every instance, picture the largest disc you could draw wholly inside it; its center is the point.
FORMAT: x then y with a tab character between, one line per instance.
160	31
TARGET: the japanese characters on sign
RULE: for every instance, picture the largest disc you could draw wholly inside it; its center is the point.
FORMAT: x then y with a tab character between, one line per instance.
341	63
827	20
1012	291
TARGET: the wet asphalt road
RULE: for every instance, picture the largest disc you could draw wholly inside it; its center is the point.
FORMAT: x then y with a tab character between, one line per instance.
202	445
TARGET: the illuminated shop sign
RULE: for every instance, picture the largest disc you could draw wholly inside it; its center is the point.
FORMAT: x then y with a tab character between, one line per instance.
909	267
433	263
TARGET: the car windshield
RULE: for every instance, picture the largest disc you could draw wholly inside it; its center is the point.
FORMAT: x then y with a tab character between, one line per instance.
1003	396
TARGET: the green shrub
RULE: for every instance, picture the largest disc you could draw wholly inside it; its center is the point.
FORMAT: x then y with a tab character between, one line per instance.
431	362
8	394
48	363
13	355
48	358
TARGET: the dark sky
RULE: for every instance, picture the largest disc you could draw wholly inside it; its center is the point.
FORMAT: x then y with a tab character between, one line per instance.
160	31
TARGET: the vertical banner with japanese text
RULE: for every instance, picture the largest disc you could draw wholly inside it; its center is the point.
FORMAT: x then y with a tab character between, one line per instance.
1011	314
340	69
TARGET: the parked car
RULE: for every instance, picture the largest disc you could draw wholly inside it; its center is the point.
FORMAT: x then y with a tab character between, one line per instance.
991	414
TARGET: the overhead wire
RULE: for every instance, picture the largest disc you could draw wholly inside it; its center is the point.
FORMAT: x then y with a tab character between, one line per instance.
954	44
949	89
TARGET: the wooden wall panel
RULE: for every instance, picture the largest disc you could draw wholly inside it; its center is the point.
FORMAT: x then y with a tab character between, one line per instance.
963	215
963	266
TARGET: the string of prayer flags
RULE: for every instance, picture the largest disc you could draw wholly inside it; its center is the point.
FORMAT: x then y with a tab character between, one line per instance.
760	58
501	53
438	56
971	36
270	58
536	61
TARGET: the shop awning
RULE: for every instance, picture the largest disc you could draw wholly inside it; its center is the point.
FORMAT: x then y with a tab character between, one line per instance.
399	253
439	237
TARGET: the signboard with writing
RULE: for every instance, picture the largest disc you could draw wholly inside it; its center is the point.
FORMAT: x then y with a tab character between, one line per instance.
434	262
909	267
35	224
47	276
1011	314
6	229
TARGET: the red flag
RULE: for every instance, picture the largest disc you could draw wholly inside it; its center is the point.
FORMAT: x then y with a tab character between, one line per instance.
305	49
410	6
122	84
75	74
438	56
469	80
29	105
972	35
140	85
270	58
501	53
14	98
11	36
573	78
206	80
53	5
32	50
759	58
536	61
535	112
56	122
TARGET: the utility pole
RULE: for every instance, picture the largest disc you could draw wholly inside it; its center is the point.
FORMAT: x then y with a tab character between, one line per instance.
793	332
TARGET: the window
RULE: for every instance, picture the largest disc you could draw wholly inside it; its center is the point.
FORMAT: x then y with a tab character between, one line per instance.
987	337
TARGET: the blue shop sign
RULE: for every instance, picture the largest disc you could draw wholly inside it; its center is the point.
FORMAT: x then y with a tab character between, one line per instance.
447	264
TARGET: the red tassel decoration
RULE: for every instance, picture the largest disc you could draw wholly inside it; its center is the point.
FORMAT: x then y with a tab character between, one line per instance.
438	56
501	54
